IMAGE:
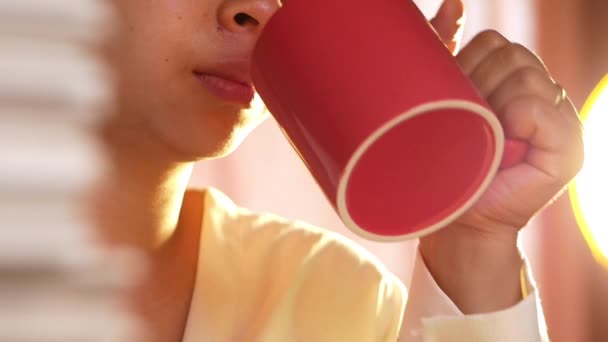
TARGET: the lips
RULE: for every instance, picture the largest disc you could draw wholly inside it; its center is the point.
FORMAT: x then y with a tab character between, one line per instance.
228	85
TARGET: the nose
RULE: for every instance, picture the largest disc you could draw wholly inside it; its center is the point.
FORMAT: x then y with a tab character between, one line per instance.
246	15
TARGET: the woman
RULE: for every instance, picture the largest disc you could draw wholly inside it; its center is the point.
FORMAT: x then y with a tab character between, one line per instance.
219	273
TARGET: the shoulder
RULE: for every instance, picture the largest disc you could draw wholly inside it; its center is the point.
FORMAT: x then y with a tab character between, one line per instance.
339	291
262	235
317	275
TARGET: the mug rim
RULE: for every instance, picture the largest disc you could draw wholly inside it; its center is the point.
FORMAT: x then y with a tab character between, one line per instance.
472	107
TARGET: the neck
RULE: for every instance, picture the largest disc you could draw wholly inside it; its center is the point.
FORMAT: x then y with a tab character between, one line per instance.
145	192
142	208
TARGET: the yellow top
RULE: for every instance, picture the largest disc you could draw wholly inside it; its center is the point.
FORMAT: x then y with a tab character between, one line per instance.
262	278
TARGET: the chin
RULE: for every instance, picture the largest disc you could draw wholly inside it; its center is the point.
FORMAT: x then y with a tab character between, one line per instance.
213	139
220	147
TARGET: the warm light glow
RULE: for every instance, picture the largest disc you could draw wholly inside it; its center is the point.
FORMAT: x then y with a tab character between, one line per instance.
589	192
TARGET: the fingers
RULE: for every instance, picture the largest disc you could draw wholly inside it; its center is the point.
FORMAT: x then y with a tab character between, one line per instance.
522	93
521	82
449	22
554	157
524	97
501	63
556	141
479	49
504	72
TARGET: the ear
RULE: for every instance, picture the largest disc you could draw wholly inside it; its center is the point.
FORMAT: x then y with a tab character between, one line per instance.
449	23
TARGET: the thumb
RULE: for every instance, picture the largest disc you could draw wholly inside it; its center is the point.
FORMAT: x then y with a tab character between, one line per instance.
449	22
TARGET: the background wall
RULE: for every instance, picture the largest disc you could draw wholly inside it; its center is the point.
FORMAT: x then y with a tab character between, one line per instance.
572	41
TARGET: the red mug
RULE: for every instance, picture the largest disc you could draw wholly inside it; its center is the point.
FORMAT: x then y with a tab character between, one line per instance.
393	131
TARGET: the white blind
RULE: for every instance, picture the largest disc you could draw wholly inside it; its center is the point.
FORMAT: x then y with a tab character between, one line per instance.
55	283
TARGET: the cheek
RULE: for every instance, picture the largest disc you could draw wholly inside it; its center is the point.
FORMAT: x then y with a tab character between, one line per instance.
158	25
161	40
149	60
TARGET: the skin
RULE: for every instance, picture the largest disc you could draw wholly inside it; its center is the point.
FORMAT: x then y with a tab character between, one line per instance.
166	121
476	260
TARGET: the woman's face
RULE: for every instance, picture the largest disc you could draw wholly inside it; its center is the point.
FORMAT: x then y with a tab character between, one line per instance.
183	68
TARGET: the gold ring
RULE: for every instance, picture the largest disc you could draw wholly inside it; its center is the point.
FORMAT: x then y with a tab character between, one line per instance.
561	96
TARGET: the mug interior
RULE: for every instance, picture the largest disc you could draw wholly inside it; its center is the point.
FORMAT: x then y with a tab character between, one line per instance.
420	171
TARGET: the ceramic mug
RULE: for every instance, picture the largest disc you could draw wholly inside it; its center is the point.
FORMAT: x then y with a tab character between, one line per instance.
394	132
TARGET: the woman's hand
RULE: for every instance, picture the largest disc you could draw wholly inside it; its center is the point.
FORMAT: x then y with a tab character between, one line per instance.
476	260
